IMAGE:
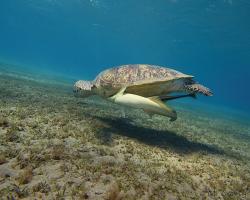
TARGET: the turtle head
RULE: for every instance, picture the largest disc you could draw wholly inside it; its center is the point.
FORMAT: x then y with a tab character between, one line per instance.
83	88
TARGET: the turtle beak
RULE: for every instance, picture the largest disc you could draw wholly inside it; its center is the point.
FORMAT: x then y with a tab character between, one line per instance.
82	89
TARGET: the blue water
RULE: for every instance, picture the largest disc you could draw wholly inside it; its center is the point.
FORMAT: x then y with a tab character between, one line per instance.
207	38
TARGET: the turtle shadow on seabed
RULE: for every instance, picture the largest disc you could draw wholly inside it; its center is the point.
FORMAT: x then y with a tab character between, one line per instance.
158	138
164	139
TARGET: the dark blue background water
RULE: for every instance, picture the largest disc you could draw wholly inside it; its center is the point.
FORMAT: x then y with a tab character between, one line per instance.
207	38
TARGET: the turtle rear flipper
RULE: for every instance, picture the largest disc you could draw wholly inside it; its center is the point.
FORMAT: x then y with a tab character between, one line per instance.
198	88
168	98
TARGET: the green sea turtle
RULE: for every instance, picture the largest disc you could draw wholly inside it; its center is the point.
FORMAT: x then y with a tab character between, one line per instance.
141	86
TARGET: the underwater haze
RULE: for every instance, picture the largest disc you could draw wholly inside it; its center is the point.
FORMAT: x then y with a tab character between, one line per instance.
56	146
209	39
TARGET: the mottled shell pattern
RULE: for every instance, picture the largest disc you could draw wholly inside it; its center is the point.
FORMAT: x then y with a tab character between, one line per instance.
139	79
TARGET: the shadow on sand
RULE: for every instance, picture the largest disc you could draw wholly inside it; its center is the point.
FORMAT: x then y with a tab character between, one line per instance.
164	139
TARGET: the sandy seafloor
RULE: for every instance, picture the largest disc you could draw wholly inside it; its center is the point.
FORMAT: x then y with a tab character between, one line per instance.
56	146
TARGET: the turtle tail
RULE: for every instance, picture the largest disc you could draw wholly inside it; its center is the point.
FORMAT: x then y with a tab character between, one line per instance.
198	88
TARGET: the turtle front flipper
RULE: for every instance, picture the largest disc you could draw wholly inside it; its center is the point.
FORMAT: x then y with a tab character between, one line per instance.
118	94
152	105
198	88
